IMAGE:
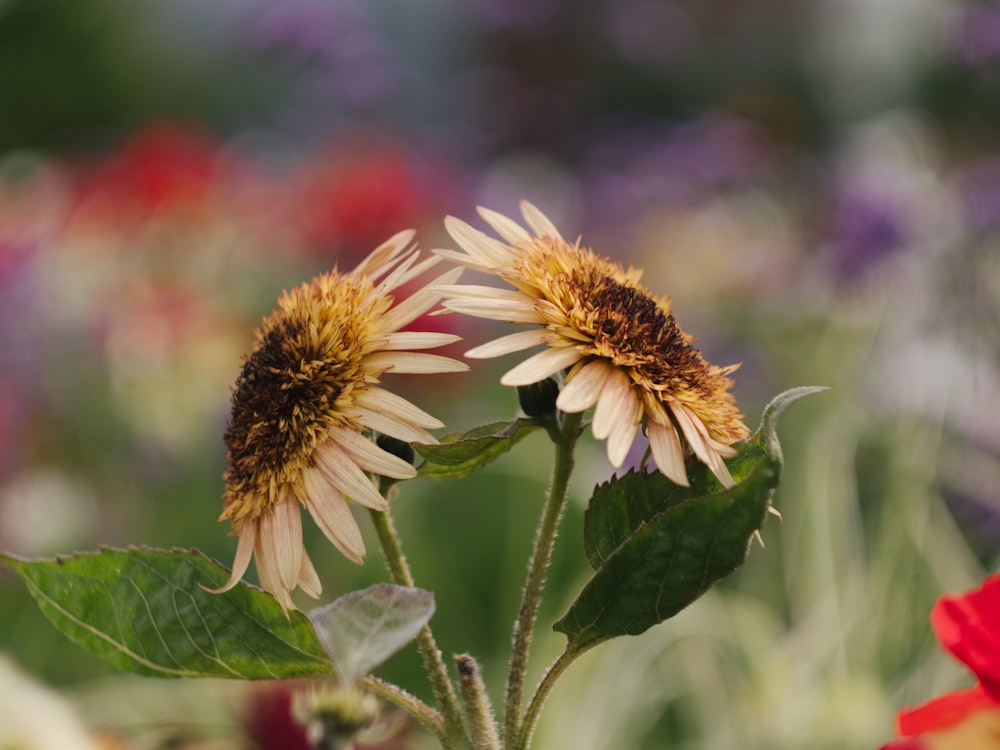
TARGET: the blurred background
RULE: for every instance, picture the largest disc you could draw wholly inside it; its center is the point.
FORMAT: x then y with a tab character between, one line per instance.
815	184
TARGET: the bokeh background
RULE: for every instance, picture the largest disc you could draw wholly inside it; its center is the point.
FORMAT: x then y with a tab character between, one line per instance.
815	184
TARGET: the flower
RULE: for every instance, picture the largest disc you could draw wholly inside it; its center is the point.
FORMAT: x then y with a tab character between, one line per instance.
968	626
619	344
304	401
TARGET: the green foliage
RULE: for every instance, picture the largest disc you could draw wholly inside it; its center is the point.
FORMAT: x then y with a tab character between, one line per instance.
657	547
362	629
461	454
144	611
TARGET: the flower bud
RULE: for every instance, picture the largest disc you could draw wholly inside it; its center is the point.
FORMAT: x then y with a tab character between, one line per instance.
538	399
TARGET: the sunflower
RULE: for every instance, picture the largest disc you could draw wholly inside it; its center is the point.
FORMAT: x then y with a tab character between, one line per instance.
618	344
306	403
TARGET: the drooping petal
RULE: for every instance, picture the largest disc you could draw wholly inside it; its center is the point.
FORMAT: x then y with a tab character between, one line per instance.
666	449
613	405
583	387
542	365
269	579
244	551
696	434
369	457
281	540
623	433
343	474
514	342
333	516
308	578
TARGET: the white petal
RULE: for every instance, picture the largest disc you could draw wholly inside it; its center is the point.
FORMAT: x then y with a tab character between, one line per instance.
539	222
509	311
623	434
614	404
696	435
244	551
370	457
269	579
380	422
387	402
407	272
540	366
384	254
507	228
413	363
463	260
308	578
331	514
666	449
514	342
417	340
482	248
281	537
340	471
583	387
418	303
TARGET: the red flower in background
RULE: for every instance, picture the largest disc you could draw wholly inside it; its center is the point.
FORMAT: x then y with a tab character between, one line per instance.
968	626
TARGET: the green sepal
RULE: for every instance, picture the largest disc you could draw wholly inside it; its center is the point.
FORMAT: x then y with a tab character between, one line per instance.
463	453
144	611
656	547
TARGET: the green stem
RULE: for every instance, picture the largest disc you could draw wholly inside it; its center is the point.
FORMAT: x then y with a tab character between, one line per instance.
537	568
553	673
477	704
454	734
419	710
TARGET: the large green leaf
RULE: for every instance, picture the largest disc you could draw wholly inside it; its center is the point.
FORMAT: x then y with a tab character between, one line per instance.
657	547
461	454
144	611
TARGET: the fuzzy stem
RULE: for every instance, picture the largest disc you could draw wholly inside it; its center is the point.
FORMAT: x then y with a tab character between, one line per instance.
548	525
553	673
477	704
400	698
454	734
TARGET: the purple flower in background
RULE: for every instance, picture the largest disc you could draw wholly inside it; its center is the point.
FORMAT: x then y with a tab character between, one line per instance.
977	34
866	226
980	189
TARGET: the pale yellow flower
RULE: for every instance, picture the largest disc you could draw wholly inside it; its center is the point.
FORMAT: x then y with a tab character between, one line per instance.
618	345
306	403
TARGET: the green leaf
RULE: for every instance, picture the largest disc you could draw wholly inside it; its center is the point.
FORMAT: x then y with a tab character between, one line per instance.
461	454
656	547
145	612
364	628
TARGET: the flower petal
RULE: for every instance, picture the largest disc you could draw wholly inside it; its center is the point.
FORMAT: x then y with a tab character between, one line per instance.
281	540
583	386
380	422
696	435
513	342
623	433
542	365
344	475
369	457
387	402
417	303
308	578
507	228
614	404
417	340
333	516
244	551
968	626
381	257
413	363
667	452
943	712
539	222
481	247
